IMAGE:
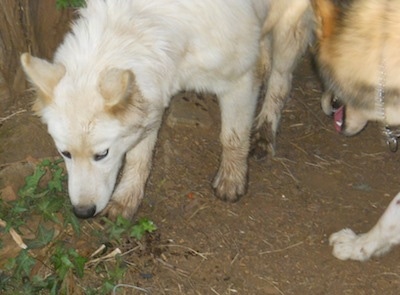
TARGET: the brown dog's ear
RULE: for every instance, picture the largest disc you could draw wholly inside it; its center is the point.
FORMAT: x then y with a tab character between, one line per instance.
117	88
43	75
325	14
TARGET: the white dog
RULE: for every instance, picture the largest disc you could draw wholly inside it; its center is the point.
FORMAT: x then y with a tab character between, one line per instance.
104	95
379	240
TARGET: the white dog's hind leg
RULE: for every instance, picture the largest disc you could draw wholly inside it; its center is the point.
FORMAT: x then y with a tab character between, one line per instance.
379	240
237	114
130	190
289	40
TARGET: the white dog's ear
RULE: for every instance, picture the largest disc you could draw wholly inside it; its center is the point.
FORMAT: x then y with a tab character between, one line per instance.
43	75
117	88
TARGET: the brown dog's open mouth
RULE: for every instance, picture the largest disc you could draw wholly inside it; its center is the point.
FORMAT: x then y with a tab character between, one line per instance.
338	116
338	111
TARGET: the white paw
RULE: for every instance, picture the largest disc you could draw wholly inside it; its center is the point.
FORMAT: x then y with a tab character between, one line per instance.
347	245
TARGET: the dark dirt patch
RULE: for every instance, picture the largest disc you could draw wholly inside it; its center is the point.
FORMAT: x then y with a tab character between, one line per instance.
275	239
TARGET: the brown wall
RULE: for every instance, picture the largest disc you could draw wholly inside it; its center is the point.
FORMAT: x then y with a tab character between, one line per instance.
26	25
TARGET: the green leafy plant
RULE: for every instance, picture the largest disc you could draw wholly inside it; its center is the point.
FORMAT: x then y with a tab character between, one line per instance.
22	264
62	4
63	261
67	259
123	227
46	200
44	195
44	236
141	227
114	274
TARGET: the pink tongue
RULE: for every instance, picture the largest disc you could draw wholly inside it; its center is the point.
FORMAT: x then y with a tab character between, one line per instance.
339	118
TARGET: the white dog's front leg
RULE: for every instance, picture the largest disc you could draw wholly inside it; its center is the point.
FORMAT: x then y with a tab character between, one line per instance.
237	114
379	240
130	190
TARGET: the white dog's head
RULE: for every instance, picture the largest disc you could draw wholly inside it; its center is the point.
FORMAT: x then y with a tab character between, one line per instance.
93	122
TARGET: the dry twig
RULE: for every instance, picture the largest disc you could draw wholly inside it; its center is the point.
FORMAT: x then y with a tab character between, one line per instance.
202	255
281	250
11	115
16	237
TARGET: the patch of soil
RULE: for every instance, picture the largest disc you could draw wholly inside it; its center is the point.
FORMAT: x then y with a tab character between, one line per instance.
275	239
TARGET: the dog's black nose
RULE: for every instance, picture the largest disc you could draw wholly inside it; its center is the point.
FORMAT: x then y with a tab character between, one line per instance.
84	211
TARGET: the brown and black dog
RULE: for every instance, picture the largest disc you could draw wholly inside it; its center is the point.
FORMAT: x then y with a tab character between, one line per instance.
358	56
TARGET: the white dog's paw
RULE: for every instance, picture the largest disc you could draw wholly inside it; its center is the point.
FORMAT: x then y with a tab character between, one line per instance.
347	245
230	186
124	204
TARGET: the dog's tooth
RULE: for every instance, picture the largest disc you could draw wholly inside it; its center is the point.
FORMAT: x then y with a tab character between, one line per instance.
339	119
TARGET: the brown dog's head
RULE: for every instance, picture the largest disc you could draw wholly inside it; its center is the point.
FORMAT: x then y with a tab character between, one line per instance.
357	54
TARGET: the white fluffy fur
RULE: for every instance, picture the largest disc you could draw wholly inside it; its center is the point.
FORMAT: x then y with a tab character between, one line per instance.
168	44
161	47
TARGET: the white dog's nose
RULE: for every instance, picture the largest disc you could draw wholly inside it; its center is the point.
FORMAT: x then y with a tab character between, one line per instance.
84	211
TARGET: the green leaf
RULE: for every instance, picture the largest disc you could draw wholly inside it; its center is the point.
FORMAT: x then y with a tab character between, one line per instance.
119	270
24	263
61	262
123	222
32	182
137	232
118	228
62	4
44	236
116	232
45	163
10	264
147	225
141	227
64	265
107	287
80	265
50	205
19	209
56	183
48	283
73	220
65	260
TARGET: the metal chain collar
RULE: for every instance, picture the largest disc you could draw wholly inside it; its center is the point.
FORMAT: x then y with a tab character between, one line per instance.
391	137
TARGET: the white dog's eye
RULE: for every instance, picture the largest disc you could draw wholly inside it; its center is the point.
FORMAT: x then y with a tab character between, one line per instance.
66	154
101	156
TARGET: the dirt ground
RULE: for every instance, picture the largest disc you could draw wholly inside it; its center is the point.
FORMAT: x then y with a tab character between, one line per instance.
275	239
